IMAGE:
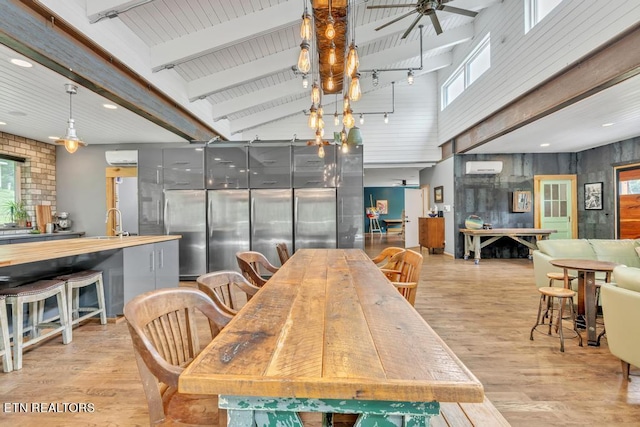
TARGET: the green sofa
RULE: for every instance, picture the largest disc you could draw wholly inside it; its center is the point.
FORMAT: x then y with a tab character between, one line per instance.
620	251
621	310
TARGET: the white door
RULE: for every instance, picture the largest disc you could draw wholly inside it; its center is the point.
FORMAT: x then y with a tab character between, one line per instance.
556	212
412	210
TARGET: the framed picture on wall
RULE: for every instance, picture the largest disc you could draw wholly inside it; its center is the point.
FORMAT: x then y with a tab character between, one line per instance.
382	206
593	196
438	194
522	201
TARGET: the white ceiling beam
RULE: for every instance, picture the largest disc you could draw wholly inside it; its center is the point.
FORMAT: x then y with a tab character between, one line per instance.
100	8
234	105
288	109
228	33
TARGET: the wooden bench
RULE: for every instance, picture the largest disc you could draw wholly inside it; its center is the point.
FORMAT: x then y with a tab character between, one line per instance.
469	414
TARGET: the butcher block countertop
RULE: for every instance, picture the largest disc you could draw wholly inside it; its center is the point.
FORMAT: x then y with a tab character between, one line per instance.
23	253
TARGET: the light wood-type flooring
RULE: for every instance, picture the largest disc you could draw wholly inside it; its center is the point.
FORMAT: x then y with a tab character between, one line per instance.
483	312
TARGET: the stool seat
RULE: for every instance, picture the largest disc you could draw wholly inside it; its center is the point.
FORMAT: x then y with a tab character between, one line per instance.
35	295
559	276
557	292
80	279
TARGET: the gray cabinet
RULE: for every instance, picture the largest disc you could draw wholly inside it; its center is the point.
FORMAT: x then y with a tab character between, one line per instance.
226	168
150	203
312	171
149	267
270	166
350	193
183	168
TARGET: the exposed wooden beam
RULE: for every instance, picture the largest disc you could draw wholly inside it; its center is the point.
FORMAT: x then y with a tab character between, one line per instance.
37	33
616	62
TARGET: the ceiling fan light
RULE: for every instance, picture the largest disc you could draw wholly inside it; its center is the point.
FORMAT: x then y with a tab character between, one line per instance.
304	60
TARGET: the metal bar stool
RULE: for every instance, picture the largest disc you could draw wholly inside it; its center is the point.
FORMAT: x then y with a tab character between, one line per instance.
565	296
74	282
33	294
5	345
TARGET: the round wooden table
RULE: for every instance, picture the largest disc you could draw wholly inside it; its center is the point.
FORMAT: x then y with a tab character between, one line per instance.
587	304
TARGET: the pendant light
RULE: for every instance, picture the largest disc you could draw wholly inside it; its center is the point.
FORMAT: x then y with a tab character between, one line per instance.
70	140
315	93
354	88
305	81
331	84
330	31
410	77
332	53
348	119
304	60
305	26
313	117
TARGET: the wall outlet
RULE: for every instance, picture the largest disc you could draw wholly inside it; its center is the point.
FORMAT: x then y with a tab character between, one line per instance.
446	208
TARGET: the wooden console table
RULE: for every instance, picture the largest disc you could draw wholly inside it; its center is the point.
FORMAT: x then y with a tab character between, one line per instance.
473	238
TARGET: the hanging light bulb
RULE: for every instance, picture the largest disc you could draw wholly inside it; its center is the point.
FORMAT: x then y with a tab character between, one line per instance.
386	118
354	88
304	60
70	140
305	81
343	139
305	26
410	77
320	111
331	84
332	53
321	151
321	124
345	103
348	119
318	137
313	117
375	78
361	118
352	59
315	93
336	119
330	31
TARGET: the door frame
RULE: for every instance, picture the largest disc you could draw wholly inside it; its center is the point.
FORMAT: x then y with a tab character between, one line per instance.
616	198
537	197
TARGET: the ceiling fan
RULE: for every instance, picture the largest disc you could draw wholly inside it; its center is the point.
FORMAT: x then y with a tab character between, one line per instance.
423	8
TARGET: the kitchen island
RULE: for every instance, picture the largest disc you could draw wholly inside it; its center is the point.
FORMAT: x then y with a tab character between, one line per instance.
131	265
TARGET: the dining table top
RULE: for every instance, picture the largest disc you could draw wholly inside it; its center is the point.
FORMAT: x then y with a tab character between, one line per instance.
330	325
584	264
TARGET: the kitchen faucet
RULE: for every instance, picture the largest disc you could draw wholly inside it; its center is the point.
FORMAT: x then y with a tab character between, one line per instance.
118	223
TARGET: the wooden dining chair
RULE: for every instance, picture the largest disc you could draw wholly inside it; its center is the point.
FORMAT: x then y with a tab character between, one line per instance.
385	255
229	290
163	328
253	266
283	252
409	277
392	269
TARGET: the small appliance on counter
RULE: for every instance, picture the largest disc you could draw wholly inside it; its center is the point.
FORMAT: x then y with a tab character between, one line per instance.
62	222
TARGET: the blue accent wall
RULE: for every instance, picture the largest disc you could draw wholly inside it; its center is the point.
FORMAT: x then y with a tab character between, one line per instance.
393	195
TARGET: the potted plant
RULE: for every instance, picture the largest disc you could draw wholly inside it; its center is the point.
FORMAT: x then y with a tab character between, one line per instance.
18	212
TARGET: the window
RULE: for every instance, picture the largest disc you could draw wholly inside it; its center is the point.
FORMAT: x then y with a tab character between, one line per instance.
471	68
9	186
536	10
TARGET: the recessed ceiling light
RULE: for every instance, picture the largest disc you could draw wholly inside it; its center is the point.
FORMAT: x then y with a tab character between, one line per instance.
110	106
54	137
21	63
604	125
546	144
2	123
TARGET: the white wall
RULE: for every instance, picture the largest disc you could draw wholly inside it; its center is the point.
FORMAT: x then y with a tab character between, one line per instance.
520	62
442	175
411	132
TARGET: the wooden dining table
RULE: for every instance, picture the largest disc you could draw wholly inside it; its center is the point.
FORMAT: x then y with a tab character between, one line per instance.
329	333
587	304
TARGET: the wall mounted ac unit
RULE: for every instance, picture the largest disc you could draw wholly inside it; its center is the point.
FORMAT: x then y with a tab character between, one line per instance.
122	157
483	167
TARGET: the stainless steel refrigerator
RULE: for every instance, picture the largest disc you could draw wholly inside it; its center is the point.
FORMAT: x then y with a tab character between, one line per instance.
184	214
314	218
228	227
271	221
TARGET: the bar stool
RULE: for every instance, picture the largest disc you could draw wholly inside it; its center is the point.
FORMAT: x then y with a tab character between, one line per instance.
74	282
33	294
560	277
565	296
5	345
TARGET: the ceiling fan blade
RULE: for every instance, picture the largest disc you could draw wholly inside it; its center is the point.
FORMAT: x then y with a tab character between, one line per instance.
396	20
457	10
388	6
436	23
413	24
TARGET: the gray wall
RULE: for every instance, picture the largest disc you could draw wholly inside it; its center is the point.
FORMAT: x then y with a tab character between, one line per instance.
442	175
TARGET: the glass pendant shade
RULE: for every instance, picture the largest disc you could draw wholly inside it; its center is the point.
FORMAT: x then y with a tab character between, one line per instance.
349	121
355	136
315	93
304	60
70	140
354	88
352	60
330	31
305	27
313	118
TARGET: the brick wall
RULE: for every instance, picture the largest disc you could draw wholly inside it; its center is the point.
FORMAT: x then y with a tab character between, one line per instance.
38	173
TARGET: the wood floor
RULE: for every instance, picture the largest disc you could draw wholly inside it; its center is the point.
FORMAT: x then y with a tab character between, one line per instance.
483	312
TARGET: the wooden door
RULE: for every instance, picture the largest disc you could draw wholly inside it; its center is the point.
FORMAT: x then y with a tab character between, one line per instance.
556	205
628	189
412	210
